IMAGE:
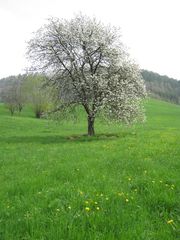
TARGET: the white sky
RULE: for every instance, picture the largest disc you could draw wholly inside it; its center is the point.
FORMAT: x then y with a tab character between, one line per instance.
150	29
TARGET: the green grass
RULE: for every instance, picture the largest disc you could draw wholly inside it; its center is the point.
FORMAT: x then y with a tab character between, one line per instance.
57	184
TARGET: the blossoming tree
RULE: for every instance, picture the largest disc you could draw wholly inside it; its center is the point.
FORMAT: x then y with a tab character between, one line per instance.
89	66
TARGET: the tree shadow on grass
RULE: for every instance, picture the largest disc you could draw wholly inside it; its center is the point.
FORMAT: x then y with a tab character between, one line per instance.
56	139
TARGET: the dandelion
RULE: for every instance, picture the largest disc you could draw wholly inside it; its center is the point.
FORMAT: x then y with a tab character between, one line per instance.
98	208
120	194
87	209
170	221
27	215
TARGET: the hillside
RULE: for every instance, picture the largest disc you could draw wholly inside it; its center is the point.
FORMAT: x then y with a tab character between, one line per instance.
122	184
158	86
162	87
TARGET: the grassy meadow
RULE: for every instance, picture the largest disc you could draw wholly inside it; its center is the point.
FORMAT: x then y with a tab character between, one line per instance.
58	184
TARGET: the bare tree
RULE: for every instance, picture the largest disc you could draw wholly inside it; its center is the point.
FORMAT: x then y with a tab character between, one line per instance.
8	98
19	93
90	67
12	94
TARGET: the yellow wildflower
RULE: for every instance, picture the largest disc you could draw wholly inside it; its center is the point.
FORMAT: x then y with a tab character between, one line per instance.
170	221
98	208
87	209
120	194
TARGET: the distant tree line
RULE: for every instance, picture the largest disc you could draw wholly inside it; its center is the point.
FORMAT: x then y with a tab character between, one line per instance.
162	87
18	91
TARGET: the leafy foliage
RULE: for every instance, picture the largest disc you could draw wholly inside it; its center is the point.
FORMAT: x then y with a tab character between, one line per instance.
37	95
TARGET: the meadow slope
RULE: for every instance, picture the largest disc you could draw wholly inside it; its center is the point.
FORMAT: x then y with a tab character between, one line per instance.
57	184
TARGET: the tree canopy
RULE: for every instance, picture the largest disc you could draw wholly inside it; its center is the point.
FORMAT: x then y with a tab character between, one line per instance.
89	65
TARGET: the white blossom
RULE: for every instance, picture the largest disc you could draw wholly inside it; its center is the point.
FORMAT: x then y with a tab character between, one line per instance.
89	65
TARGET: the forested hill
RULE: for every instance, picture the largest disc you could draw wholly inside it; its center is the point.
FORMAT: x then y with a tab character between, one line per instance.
158	86
162	87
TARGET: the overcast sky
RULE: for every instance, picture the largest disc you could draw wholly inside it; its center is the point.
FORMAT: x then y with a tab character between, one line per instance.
150	29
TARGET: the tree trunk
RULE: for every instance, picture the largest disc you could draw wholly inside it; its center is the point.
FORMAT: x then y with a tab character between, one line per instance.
38	114
12	112
91	131
20	108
